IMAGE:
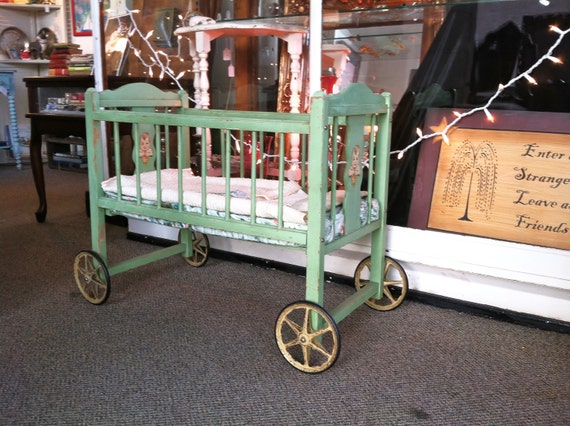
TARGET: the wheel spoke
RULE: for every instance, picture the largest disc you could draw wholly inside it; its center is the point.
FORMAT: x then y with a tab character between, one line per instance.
297	330
320	332
306	356
387	293
200	249
95	272
83	271
295	327
306	321
94	289
318	347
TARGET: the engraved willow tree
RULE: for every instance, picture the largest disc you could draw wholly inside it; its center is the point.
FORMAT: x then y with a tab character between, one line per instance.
469	164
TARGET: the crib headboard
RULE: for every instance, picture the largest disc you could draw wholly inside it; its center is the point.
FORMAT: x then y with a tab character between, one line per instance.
139	98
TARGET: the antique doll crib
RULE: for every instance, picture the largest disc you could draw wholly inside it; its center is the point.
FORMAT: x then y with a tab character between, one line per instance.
335	194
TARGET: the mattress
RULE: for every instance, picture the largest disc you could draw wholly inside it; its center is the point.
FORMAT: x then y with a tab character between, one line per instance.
295	202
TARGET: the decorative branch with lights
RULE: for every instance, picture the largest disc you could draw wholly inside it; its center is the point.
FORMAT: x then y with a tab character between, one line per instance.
156	58
485	108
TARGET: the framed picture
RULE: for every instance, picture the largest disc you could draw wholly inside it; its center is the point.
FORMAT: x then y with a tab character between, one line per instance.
81	17
116	44
506	180
14	54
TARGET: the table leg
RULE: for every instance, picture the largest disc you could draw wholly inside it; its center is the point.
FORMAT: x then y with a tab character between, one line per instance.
38	172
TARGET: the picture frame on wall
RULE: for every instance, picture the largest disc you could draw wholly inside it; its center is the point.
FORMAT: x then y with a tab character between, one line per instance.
116	44
507	179
81	18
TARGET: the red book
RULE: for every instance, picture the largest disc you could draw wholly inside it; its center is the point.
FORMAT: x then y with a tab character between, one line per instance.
59	55
58	71
59	63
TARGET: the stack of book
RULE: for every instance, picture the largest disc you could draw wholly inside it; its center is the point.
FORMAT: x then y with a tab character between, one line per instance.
65	160
80	64
59	58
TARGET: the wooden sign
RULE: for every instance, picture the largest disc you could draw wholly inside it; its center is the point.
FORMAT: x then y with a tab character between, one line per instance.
504	184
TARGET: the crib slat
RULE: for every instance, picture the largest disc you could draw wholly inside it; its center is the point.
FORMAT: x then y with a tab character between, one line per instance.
253	182
371	162
333	165
136	148
117	141
204	140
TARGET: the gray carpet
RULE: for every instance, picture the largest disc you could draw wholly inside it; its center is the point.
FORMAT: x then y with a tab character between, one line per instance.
175	345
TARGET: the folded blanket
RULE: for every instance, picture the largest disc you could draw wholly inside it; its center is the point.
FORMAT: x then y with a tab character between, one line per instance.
266	193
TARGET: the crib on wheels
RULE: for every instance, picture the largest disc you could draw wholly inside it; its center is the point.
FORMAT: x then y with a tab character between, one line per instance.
335	194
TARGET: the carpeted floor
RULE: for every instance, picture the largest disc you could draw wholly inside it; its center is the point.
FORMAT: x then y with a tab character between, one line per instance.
175	345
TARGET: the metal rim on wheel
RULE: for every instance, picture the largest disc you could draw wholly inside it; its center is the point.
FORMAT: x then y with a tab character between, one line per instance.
307	337
200	249
92	277
395	284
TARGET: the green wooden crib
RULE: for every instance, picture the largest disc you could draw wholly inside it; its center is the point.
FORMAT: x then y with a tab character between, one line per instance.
333	193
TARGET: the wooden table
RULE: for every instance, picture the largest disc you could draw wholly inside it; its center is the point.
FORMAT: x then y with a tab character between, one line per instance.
60	124
63	124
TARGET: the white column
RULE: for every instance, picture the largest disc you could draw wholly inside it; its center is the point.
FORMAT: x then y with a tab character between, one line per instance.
315	41
203	49
98	71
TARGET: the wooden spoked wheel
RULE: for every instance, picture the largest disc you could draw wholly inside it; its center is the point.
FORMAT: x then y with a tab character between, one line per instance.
395	284
92	277
307	336
200	249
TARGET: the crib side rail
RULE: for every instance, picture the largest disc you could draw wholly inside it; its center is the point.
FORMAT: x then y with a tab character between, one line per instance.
228	127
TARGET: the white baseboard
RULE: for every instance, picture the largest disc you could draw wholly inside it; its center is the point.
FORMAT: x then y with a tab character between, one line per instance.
517	277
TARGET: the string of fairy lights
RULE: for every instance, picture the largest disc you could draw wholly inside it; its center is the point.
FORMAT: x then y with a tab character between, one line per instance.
548	56
163	61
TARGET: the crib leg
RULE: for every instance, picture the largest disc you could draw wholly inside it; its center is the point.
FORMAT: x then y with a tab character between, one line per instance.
98	227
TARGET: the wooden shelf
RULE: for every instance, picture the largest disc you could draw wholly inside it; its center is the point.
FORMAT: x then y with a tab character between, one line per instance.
30	7
25	61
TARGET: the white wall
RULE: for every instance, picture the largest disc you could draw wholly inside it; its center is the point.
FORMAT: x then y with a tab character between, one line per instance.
516	277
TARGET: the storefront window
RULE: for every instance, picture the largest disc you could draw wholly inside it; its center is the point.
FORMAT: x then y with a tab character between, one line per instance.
427	53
